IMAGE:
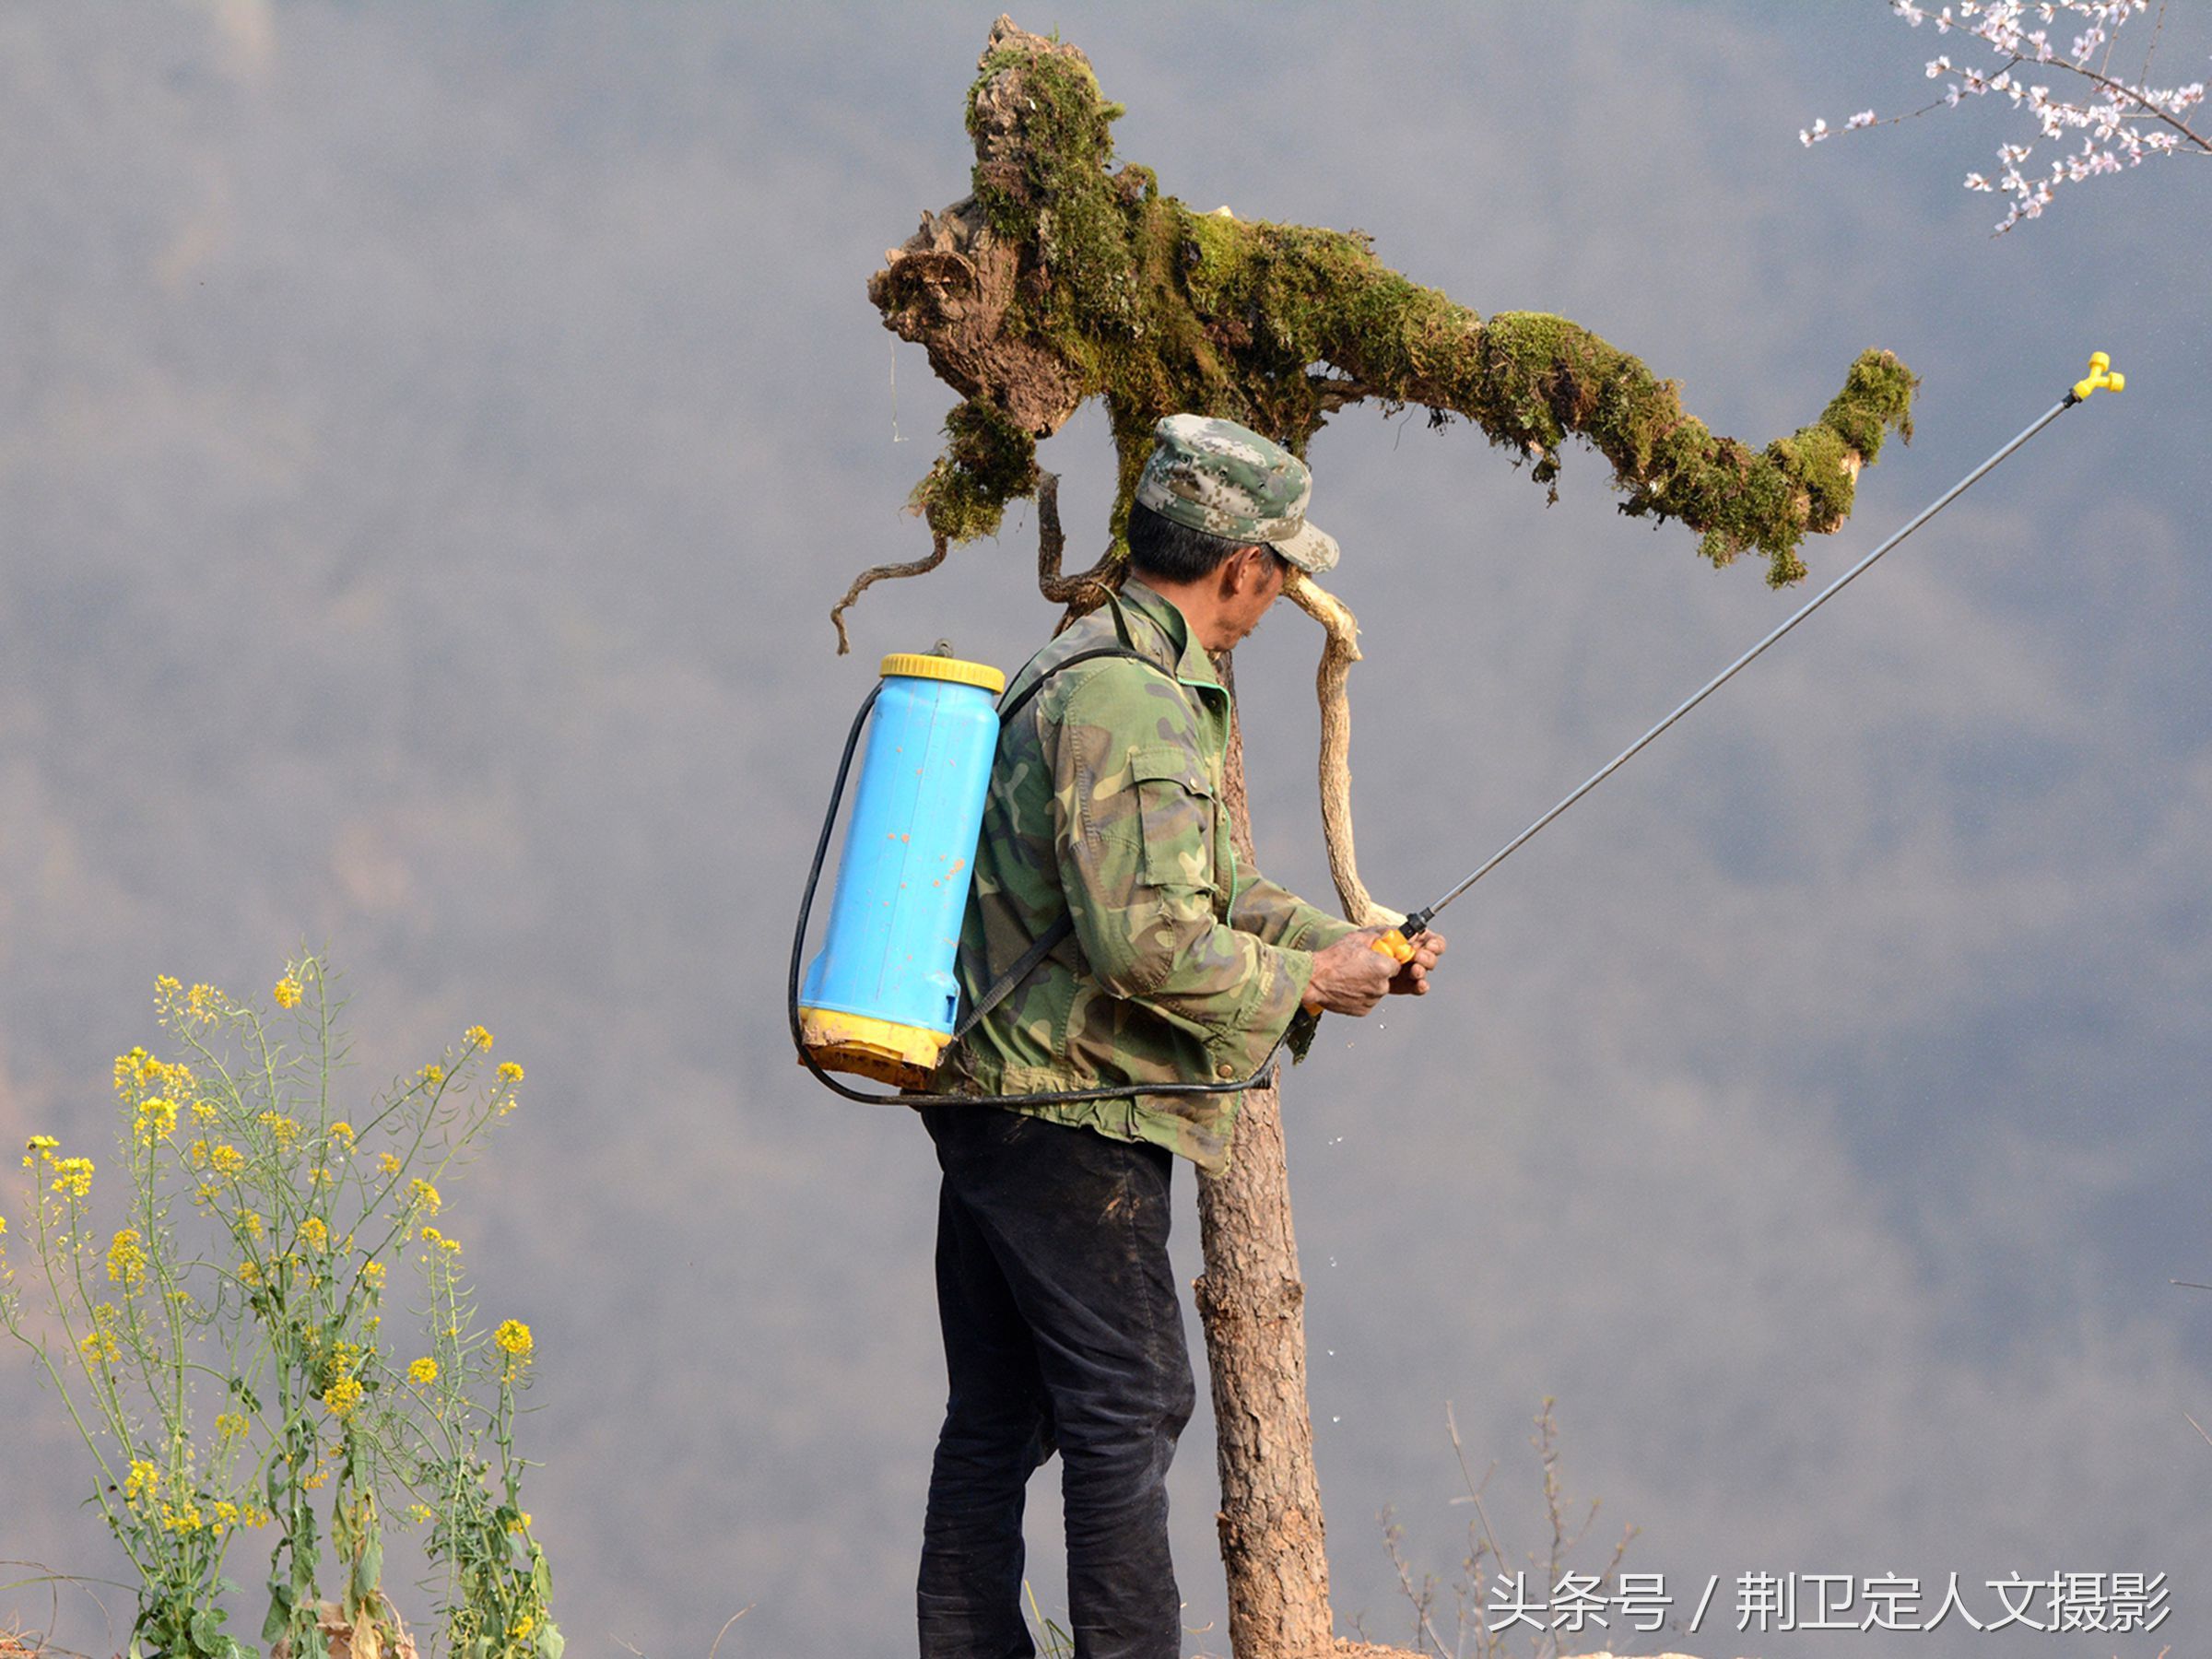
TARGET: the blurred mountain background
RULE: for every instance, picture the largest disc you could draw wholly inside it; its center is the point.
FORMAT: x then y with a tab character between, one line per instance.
432	437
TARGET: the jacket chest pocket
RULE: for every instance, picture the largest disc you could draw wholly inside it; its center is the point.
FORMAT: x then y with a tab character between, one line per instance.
1175	803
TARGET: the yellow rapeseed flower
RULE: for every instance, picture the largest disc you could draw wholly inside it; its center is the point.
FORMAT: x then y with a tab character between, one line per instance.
522	1626
423	1372
226	1515
314	1234
419	1512
204	1001
287	993
143	1482
72	1176
320	1478
157	1119
433	1072
126	1258
423	1196
249	1273
100	1345
204	1112
479	1036
342	1132
343	1395
320	1176
228	1158
165	985
253	1515
519	1523
514	1338
182	1518
510	1072
139	1068
285	1129
375	1273
387	1164
229	1424
249	1223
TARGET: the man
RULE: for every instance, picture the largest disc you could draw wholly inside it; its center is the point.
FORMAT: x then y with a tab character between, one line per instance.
1105	824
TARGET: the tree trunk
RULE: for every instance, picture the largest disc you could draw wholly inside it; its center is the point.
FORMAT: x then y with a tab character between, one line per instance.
1252	1303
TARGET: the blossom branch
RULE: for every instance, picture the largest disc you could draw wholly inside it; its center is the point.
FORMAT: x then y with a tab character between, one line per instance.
2115	126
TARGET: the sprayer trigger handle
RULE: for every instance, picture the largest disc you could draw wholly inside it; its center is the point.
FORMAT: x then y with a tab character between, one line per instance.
1394	945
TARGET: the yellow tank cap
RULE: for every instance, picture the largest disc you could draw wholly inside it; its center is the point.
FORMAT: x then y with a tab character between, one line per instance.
916	666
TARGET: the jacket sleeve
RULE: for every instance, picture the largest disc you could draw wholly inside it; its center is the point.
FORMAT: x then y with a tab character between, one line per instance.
1280	917
1135	831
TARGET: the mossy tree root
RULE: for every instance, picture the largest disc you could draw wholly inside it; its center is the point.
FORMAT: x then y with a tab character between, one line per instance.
882	572
1085	589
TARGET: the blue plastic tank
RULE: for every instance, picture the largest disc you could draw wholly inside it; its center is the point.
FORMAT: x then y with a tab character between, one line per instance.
880	999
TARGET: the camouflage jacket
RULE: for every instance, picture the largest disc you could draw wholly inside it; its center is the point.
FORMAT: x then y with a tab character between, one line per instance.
1106	803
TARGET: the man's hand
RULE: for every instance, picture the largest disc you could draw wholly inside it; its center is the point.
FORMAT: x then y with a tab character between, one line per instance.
1351	976
1412	978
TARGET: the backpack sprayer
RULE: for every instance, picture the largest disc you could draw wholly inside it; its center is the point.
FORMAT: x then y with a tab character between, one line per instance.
880	1000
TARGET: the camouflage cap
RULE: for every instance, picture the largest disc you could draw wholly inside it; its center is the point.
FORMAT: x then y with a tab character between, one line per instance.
1228	480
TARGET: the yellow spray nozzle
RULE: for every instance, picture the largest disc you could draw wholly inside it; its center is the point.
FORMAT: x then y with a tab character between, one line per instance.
2100	377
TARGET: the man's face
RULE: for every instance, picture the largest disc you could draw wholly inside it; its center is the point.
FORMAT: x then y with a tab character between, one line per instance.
1257	582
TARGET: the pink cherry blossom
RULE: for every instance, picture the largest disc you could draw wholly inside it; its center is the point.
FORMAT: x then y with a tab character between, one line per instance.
2122	122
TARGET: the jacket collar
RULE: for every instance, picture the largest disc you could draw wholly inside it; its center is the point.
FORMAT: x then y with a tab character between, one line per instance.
1188	660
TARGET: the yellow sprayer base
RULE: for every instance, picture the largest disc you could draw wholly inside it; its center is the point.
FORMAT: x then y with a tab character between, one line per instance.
902	1055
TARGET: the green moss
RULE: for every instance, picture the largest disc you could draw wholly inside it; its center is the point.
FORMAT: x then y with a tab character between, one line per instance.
1066	138
1055	194
1212	252
988	461
1876	398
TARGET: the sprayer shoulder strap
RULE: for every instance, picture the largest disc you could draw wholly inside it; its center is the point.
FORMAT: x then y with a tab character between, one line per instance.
1013	706
1024	965
1042	947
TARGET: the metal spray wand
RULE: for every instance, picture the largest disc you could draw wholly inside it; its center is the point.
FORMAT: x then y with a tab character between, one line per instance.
1397	942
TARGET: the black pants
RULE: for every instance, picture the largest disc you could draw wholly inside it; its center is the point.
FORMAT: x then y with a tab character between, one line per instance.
1063	1331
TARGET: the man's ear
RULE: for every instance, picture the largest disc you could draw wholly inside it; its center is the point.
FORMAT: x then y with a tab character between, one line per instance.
1245	567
